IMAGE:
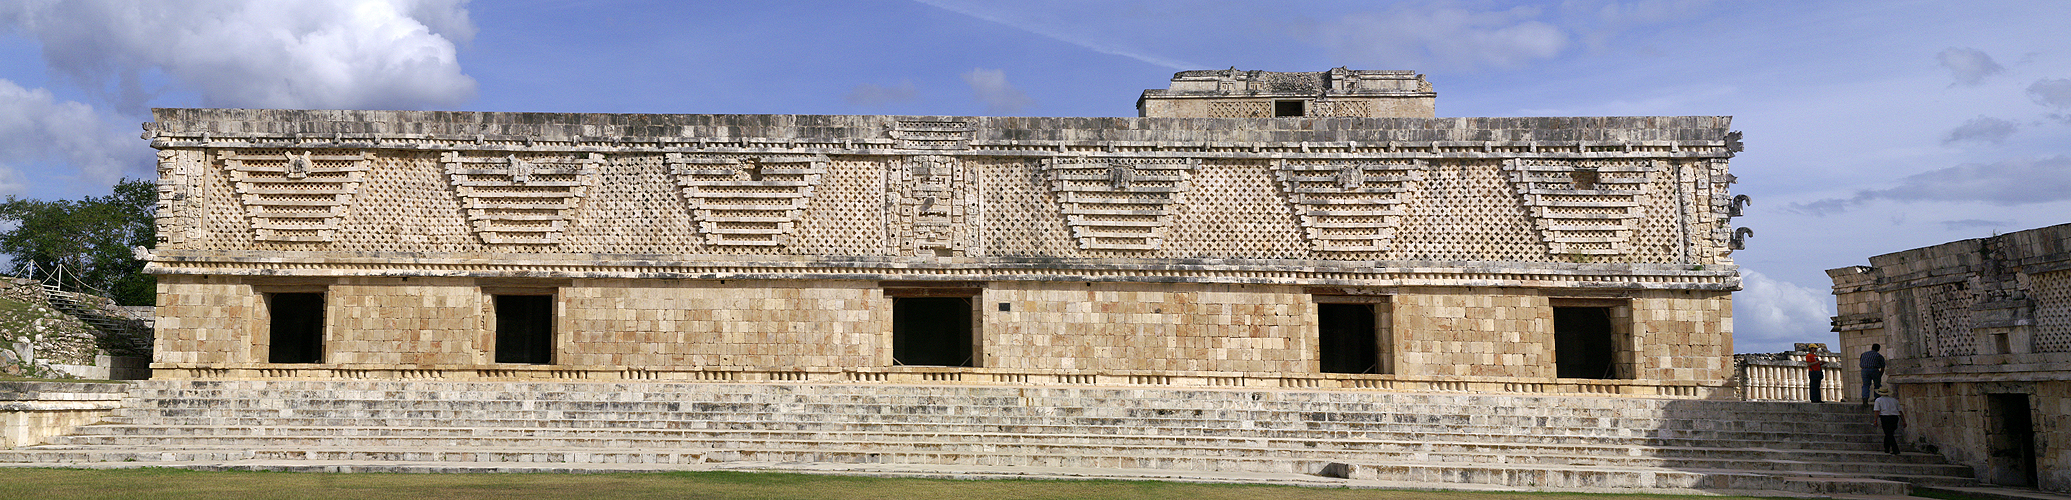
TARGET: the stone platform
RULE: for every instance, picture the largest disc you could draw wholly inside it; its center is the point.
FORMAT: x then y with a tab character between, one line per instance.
1322	437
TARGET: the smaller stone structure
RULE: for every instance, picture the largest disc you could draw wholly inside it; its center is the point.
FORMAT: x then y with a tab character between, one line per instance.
1340	92
32	412
1978	337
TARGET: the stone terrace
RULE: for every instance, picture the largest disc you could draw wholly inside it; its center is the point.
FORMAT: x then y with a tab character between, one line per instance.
1443	440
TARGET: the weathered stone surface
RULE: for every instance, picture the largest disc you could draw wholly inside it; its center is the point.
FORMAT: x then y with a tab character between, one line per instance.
1154	251
1963	323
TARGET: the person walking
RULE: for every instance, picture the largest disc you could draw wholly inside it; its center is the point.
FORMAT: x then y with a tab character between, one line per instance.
1816	371
1872	372
1889	416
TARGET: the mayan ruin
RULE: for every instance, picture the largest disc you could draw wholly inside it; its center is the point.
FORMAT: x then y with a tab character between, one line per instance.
1980	334
1307	275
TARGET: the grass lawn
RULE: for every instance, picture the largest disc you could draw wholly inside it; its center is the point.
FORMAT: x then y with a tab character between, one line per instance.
173	484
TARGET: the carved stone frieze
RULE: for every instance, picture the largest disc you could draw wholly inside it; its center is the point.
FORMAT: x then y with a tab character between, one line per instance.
929	206
1119	203
1583	207
521	198
747	200
295	197
1350	205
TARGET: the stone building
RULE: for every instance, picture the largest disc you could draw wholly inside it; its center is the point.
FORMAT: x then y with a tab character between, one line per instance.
1978	337
1252	229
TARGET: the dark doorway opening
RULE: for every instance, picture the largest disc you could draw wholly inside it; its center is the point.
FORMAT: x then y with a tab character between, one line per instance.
2011	460
1289	108
1584	344
1346	338
296	330
525	329
932	331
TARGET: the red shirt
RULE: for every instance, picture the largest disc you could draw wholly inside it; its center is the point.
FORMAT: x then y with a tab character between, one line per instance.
1812	362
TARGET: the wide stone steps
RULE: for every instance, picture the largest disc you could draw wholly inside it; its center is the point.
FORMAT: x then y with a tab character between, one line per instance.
1781	423
1510	441
1800	434
1767	460
1070	433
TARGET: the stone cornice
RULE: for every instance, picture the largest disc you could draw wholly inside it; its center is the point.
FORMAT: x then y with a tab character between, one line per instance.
1581	137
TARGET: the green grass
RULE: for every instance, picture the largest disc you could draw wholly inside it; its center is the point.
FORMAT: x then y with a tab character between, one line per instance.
174	484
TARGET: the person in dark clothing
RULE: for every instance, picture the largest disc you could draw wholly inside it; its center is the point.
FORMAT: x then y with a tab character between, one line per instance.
1889	416
1816	372
1872	372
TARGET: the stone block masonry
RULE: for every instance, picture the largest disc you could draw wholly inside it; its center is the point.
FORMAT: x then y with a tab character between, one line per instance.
1357	243
1977	334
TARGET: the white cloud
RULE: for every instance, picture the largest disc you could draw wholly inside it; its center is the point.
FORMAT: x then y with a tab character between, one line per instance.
1969	66
992	88
1770	314
870	94
2006	183
257	53
1982	129
36	128
1441	36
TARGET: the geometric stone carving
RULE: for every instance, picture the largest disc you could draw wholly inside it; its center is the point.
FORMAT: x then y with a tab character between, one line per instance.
1350	205
1582	207
521	198
1240	109
940	135
1119	203
299	198
931	207
753	201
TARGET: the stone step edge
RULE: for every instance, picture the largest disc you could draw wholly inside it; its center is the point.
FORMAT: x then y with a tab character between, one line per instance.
1341	427
975	438
1060	450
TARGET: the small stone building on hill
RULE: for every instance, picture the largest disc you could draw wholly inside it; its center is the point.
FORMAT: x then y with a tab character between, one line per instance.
1252	229
1977	334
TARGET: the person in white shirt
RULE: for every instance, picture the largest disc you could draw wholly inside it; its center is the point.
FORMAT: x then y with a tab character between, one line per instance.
1890	417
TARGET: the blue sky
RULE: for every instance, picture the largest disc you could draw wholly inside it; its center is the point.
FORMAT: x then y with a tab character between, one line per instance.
1871	126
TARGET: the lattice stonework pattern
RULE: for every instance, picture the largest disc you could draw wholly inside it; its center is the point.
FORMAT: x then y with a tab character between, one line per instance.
2052	292
1350	206
514	200
295	197
1583	207
1240	109
1119	203
747	201
1341	108
930	207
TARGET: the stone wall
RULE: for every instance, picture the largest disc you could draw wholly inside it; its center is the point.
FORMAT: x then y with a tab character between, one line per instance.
1962	323
31	412
1151	249
1161	330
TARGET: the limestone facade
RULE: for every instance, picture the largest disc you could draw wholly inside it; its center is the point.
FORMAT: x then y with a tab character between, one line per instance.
1153	250
1978	337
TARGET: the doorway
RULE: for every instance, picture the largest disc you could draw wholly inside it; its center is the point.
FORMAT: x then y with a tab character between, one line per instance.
2011	457
1584	344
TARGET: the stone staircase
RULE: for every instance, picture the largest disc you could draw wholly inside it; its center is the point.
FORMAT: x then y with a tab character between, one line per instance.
1521	442
120	335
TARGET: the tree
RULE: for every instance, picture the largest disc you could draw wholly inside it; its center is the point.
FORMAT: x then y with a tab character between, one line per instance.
90	238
